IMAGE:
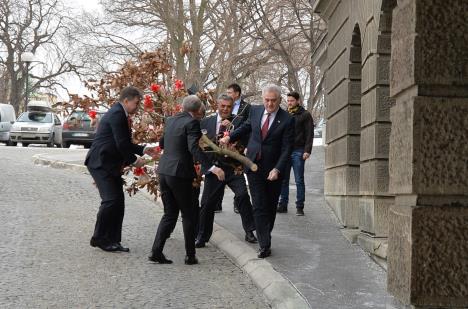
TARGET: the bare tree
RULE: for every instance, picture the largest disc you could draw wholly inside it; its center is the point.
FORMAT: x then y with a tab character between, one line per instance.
40	27
291	31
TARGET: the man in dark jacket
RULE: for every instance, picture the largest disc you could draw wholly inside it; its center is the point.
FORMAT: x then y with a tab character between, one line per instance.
240	110
271	132
304	137
213	190
176	173
112	149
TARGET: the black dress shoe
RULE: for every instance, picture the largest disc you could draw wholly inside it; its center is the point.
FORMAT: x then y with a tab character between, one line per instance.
250	237
94	242
282	208
159	258
108	247
200	244
191	260
121	248
263	253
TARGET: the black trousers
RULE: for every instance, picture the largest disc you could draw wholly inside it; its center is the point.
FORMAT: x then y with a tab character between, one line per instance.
213	193
108	228
265	196
176	195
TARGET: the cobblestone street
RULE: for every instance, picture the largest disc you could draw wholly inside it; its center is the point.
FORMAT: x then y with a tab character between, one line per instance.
46	220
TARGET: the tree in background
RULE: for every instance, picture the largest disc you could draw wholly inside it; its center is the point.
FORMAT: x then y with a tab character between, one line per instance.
40	27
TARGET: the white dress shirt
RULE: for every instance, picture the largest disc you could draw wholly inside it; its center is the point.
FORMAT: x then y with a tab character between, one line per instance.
272	118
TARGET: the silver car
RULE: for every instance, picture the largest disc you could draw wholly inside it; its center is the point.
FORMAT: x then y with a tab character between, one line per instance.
36	127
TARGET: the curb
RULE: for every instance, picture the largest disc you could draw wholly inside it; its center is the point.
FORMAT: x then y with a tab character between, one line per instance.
278	290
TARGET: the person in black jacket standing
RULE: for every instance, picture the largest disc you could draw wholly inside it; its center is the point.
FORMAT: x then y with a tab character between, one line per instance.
112	149
271	136
213	190
176	173
303	141
240	110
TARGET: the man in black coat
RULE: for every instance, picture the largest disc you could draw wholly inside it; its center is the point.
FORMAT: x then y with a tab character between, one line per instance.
176	174
112	149
213	190
271	135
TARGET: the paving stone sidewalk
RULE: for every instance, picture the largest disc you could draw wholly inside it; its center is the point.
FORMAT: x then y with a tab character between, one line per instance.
312	252
46	219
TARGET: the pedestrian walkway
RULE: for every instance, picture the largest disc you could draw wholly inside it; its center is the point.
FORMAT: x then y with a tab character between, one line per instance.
313	254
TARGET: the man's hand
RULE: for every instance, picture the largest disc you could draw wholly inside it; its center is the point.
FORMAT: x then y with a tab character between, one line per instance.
224	140
305	156
139	162
226	123
153	152
219	173
274	173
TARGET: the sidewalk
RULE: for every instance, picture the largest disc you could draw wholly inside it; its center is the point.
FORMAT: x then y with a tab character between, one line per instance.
309	251
313	254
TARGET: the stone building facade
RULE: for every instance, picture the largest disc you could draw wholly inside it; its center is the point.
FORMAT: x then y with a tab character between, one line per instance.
397	138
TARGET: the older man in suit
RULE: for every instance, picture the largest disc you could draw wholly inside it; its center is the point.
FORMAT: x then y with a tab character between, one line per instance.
112	149
271	136
213	190
176	173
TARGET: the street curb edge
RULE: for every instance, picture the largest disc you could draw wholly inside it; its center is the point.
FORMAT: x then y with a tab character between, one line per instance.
278	290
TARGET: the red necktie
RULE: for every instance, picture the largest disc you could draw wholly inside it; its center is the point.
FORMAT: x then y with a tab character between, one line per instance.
130	123
265	126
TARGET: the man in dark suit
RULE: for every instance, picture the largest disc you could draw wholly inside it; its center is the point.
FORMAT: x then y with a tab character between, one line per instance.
112	149
176	174
213	190
240	110
271	136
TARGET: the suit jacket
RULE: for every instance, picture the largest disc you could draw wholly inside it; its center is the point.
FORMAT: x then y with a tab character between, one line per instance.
112	146
209	124
180	141
276	148
241	117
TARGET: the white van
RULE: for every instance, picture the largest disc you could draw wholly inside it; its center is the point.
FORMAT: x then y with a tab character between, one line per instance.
7	118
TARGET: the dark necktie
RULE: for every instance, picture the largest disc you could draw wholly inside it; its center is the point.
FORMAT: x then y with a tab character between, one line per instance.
265	126
222	129
130	123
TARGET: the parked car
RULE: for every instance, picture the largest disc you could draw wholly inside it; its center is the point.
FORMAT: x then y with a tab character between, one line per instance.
39	125
79	129
7	118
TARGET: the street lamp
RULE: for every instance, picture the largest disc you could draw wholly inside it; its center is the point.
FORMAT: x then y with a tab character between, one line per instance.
27	57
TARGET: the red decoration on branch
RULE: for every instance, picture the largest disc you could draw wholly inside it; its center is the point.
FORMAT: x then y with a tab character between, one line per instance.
148	103
155	87
178	84
92	114
138	171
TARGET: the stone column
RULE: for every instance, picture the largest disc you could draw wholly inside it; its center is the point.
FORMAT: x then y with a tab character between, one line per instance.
428	225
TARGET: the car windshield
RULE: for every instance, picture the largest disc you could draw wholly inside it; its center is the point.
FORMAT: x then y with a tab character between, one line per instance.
35	117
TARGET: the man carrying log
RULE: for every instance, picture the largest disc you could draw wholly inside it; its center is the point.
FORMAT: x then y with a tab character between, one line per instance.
217	126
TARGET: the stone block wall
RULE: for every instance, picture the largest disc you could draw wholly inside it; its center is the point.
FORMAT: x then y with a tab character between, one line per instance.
358	112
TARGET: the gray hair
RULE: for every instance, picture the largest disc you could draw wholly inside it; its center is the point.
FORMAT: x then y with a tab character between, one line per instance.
191	103
272	88
225	97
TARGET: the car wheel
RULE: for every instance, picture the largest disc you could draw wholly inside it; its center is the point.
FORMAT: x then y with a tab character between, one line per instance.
11	143
65	144
25	144
87	146
58	145
51	144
